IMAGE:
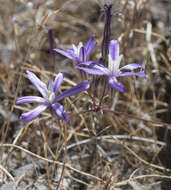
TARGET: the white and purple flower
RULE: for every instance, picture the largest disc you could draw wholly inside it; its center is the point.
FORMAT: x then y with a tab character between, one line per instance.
113	71
50	97
80	53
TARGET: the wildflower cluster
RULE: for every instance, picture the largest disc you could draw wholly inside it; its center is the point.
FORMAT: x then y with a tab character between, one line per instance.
108	66
50	97
112	71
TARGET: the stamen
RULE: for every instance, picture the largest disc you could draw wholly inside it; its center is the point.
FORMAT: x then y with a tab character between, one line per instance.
77	48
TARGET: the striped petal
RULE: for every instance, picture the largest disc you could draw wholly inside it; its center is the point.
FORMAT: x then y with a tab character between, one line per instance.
126	74
30	99
57	82
90	45
67	54
113	83
42	88
101	68
114	49
82	54
92	71
113	65
132	67
96	68
74	90
87	63
31	115
60	112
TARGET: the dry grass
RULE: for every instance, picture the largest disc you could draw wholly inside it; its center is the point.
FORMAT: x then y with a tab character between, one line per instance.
104	150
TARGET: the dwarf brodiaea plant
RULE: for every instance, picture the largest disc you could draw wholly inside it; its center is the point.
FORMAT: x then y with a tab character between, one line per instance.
112	71
107	66
50	97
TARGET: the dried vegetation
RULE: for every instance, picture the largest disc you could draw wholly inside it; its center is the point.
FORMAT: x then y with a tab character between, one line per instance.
94	150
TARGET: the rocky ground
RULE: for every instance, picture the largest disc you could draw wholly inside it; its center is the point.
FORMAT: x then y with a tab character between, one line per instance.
95	150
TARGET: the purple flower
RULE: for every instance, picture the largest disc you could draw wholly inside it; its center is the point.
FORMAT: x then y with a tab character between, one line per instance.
50	97
113	71
80	53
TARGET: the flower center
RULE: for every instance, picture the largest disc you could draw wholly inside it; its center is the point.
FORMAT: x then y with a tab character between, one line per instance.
77	48
113	65
51	97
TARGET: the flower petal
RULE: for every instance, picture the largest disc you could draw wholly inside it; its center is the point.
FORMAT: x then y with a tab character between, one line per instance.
100	67
87	63
57	82
114	49
92	71
132	66
42	88
113	65
126	74
67	54
113	83
82	54
90	45
74	90
97	68
31	115
30	99
60	112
